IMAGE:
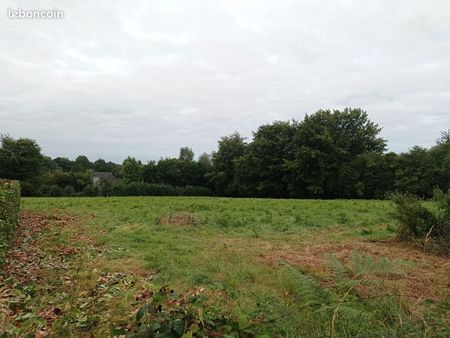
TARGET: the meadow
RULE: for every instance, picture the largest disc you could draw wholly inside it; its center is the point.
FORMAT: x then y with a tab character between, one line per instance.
261	267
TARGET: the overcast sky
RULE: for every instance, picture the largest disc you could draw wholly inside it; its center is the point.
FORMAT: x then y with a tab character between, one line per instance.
144	78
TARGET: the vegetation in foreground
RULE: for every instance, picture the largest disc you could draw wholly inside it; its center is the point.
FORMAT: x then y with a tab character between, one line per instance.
237	267
9	212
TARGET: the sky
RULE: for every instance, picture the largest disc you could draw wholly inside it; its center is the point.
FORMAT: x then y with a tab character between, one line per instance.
144	78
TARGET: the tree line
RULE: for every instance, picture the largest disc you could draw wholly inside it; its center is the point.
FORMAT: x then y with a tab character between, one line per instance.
328	154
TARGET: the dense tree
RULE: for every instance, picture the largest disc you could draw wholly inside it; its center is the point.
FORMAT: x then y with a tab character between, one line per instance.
101	165
262	170
223	174
132	170
64	163
47	164
440	154
82	163
205	160
329	154
186	154
416	173
20	159
323	144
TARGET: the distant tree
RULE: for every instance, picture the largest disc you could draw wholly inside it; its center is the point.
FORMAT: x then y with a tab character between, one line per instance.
48	164
324	142
186	154
205	166
102	165
150	172
223	174
64	163
416	173
178	172
132	170
20	159
82	163
205	160
368	175
440	154
261	171
445	137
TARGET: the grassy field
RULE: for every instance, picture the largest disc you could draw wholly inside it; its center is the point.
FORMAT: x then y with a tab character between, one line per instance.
286	268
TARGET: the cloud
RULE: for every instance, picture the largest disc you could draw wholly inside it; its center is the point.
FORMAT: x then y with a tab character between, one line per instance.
142	78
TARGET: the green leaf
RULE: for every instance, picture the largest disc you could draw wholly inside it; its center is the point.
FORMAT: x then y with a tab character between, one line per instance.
141	312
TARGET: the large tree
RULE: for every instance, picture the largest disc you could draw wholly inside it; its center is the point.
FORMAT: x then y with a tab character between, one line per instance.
323	143
20	159
223	173
186	154
64	163
262	169
82	164
132	170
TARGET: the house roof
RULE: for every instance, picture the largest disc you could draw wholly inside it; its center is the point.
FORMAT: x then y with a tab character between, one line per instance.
104	175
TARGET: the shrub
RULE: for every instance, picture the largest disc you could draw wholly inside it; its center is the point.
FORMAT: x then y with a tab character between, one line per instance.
90	190
428	223
9	211
121	188
191	190
55	191
167	314
68	191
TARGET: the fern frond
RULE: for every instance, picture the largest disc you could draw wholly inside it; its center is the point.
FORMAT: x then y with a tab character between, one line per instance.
368	266
310	292
339	269
4	308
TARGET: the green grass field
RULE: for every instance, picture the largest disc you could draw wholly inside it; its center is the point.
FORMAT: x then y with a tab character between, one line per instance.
264	262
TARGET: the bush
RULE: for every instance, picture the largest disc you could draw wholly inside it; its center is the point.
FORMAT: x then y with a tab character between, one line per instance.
120	188
167	314
428	223
55	191
90	190
9	211
68	191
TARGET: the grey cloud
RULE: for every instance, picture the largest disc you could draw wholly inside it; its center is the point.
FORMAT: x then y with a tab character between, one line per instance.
144	78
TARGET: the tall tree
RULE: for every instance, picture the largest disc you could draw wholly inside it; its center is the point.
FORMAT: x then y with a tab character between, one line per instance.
323	143
82	164
261	170
440	154
416	173
64	163
20	159
223	174
132	170
186	154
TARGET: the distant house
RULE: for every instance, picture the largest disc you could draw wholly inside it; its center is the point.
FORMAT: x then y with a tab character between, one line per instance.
100	177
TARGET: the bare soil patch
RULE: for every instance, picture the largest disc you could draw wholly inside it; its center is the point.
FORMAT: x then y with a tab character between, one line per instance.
180	219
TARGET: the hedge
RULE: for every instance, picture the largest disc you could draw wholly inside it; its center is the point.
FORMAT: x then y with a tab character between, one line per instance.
9	212
121	188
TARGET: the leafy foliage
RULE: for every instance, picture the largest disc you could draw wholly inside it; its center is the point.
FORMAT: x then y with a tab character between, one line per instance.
167	314
342	311
429	224
328	154
20	159
9	212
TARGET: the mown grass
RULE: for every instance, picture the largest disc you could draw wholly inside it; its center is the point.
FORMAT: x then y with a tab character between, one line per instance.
232	249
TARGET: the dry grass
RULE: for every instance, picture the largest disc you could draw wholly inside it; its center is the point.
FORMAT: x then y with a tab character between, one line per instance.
182	219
